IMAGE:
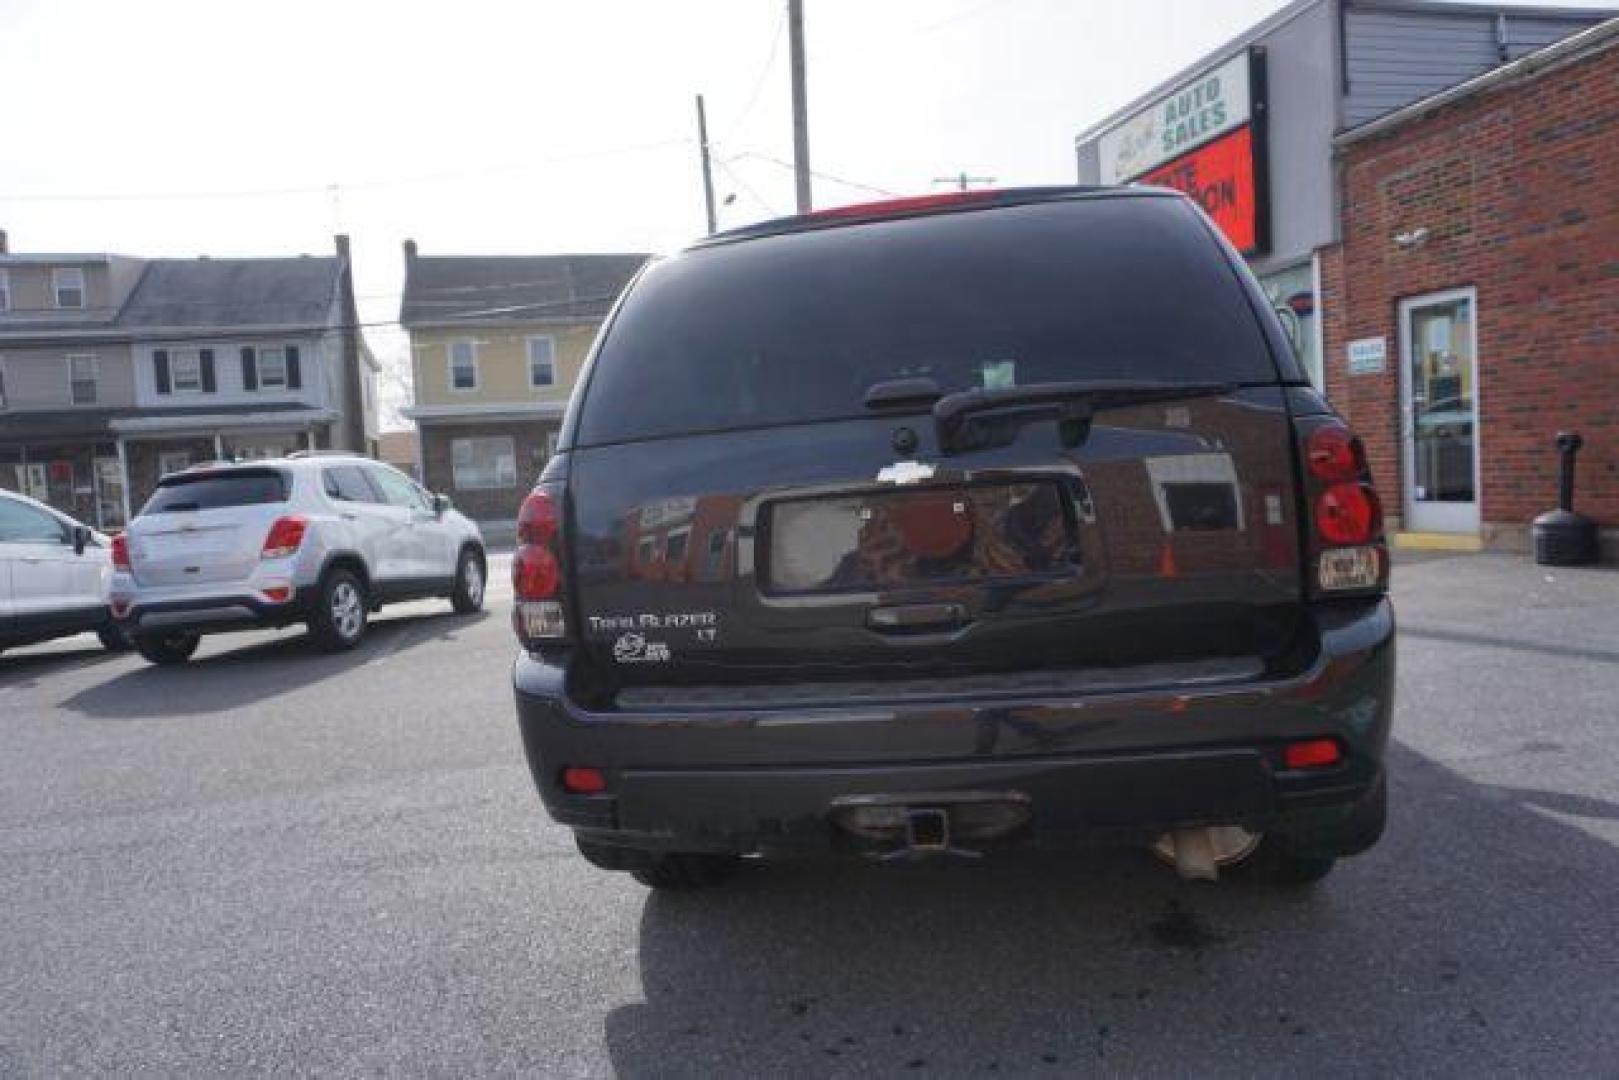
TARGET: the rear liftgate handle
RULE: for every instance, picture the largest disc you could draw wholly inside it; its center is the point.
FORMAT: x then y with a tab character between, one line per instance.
917	618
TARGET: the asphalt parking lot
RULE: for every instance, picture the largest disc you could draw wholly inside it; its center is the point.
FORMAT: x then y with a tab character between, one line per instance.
272	860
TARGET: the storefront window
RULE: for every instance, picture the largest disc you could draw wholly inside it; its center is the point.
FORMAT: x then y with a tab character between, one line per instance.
484	463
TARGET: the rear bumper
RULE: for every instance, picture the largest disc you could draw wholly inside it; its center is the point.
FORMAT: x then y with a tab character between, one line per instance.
213	614
1108	767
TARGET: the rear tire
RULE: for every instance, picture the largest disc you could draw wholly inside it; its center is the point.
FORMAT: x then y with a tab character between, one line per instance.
1273	864
471	577
166	650
672	870
680	871
114	640
338	619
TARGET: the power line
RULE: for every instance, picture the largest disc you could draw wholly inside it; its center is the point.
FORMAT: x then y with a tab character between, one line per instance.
759	83
159	335
963	181
358	185
874	189
747	187
920	31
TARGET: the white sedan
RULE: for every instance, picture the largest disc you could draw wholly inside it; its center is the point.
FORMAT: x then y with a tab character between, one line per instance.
54	576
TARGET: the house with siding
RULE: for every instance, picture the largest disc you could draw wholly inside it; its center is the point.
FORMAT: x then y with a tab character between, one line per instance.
116	370
496	344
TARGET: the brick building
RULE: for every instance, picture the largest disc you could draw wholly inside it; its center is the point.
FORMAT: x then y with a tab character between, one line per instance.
1474	295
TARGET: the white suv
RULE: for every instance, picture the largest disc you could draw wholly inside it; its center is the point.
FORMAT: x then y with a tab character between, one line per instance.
54	575
322	540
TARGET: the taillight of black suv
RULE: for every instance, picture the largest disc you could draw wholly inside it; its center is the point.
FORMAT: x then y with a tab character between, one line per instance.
539	616
1346	553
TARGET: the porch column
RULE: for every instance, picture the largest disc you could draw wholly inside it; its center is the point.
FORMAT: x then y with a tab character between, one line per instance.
309	439
219	447
123	471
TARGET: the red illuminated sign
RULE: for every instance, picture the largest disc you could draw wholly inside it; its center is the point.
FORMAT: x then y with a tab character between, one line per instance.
1220	175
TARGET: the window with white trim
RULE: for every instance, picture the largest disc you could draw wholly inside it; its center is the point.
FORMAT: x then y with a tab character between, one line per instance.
484	463
67	286
185	371
542	362
463	365
272	368
83	370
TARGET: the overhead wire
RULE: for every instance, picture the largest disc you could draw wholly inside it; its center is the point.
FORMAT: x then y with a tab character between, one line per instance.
759	83
356	185
846	182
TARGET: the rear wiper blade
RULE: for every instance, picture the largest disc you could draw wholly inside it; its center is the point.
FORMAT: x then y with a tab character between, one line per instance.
1071	404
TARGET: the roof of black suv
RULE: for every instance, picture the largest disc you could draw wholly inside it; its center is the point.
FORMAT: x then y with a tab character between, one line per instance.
922	205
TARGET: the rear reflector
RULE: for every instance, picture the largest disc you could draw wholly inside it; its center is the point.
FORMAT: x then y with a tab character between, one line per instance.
582	780
278	594
1312	754
284	537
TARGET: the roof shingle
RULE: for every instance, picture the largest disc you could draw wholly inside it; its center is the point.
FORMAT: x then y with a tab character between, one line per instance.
233	292
518	288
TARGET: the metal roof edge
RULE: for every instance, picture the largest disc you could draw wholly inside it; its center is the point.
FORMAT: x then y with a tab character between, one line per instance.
1481	7
1575	47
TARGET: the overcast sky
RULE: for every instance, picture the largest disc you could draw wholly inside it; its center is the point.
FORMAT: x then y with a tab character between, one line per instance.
231	128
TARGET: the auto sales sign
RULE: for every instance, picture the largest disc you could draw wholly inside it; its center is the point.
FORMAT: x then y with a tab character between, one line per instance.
1204	138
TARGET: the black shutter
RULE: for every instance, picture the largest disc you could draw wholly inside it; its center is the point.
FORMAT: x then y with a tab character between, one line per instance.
160	364
294	377
208	371
250	369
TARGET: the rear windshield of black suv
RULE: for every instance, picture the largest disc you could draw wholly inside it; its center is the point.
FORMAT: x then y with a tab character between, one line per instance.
217	490
796	328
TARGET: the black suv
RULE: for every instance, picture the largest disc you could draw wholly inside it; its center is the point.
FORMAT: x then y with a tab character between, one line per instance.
950	523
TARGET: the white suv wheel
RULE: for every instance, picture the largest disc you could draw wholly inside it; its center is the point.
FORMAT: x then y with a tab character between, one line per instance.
348	611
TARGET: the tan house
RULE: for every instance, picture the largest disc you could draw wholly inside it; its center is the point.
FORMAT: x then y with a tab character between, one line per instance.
496	344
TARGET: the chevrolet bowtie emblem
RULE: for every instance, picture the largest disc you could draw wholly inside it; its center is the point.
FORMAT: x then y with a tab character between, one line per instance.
905	472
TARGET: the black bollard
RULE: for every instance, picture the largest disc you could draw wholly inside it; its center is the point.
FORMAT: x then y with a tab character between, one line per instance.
1563	537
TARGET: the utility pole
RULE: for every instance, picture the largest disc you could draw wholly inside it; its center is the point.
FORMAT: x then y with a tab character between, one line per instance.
708	174
962	180
801	164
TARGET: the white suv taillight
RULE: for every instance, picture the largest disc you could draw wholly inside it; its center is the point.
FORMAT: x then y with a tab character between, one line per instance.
120	552
284	537
538	616
1347	550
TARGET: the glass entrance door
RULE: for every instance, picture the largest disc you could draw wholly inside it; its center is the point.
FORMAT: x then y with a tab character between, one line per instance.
1439	410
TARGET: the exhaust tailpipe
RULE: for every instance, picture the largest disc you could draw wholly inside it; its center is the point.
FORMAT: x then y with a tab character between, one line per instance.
1197	854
